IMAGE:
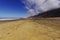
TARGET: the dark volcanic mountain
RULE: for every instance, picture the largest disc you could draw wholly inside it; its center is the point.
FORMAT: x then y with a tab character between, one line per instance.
51	13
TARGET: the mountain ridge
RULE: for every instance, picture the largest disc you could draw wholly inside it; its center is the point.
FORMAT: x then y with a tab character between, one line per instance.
48	14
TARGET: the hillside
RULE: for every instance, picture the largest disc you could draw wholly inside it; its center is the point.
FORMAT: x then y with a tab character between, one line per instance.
30	29
50	13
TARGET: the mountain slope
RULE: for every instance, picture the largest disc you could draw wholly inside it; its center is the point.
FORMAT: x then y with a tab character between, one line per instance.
30	29
51	13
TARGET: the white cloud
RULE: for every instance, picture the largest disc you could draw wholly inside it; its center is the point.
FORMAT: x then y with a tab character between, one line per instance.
40	6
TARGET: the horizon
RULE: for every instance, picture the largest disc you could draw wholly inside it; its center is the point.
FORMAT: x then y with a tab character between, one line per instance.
25	8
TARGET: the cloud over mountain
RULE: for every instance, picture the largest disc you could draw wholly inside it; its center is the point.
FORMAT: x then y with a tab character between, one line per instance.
35	7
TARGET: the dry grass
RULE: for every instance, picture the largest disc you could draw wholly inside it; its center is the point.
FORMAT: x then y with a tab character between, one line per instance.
30	29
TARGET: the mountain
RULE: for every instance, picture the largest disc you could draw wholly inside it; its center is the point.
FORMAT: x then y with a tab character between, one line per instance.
32	29
50	13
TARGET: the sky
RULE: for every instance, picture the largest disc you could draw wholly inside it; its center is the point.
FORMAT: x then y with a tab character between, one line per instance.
26	8
12	8
39	6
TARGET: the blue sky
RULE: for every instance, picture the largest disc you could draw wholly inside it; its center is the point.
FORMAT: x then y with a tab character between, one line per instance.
12	8
23	8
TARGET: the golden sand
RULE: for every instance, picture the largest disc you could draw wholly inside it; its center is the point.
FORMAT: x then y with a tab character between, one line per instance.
42	29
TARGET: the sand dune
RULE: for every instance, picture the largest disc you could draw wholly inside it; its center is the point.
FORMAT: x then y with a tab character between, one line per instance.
30	29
